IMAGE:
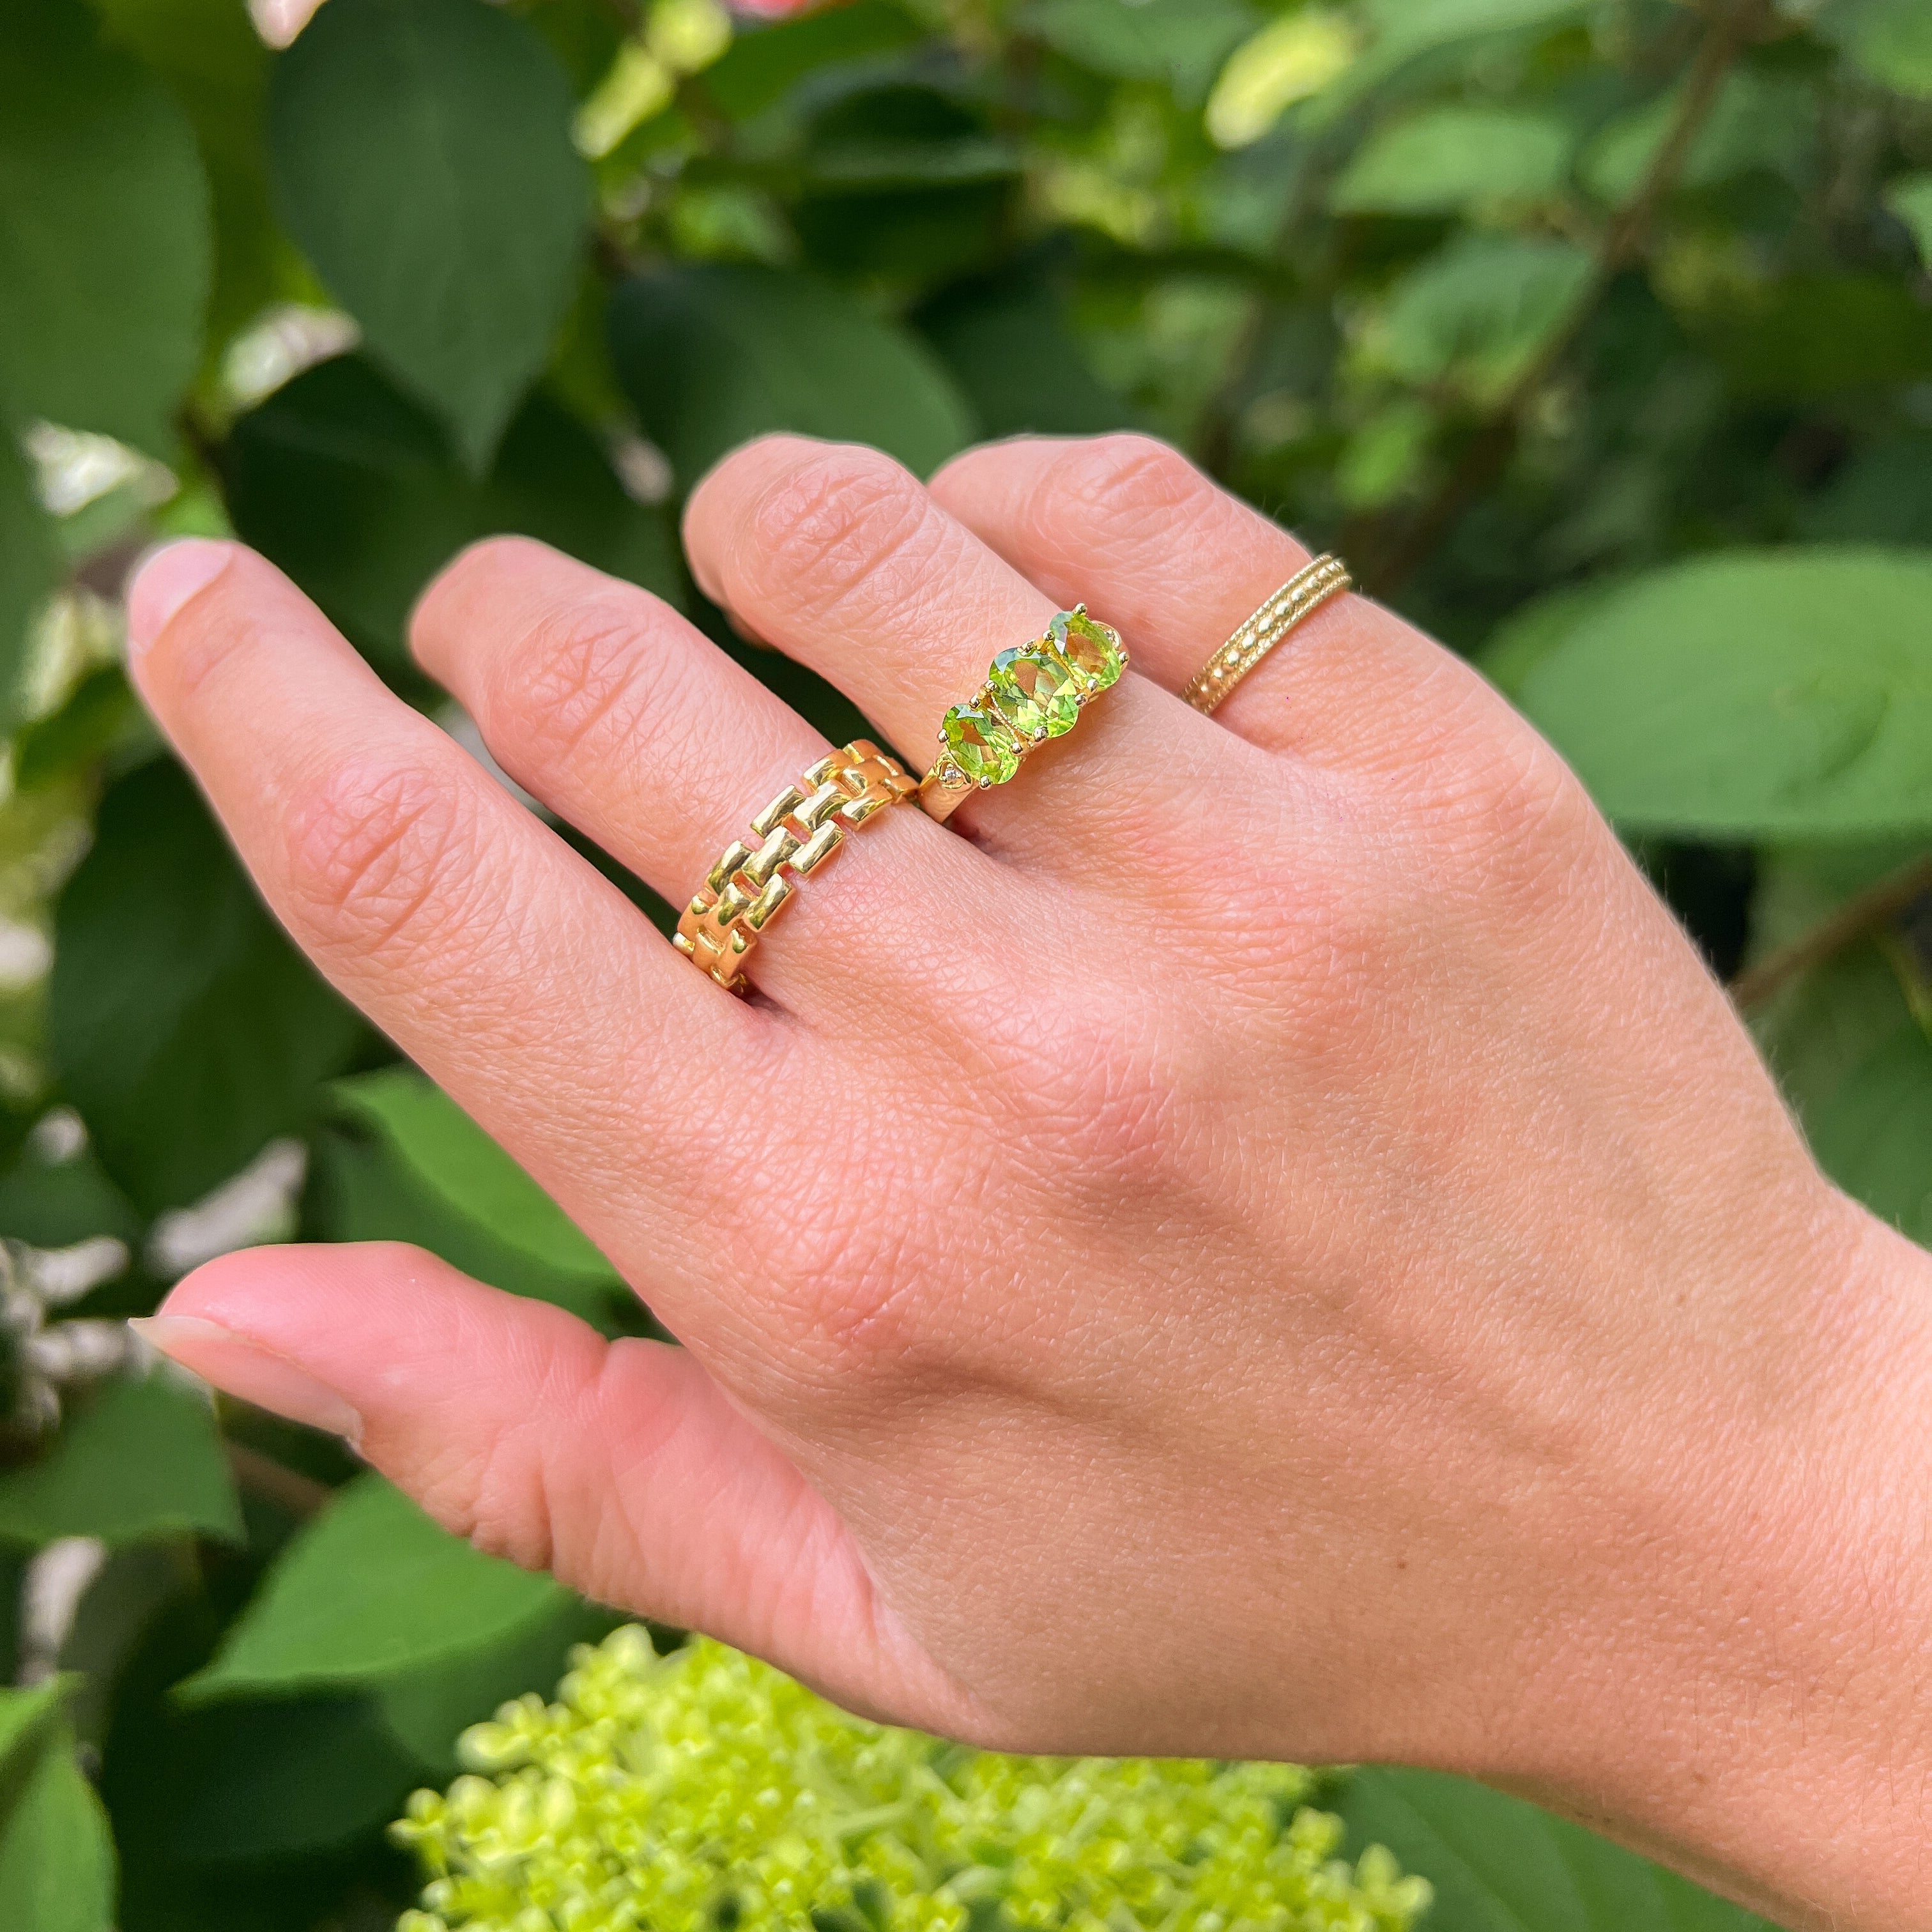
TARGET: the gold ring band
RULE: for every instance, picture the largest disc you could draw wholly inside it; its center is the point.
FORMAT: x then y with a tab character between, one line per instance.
1303	594
797	832
1030	694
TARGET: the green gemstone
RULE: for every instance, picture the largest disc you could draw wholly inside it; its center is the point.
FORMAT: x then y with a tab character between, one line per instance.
1092	648
1036	691
981	743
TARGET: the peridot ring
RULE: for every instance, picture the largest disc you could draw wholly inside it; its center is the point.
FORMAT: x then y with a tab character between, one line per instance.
1030	694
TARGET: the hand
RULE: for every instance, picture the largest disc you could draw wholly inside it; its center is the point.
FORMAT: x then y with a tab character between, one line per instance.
1270	1243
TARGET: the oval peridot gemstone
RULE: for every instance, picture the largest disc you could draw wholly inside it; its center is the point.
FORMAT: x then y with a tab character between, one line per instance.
1036	691
981	743
1092	648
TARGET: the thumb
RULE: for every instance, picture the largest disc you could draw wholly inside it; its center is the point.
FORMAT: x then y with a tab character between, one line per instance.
620	1466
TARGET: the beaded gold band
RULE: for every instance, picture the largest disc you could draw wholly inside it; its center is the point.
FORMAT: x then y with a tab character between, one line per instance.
1303	594
797	832
1031	695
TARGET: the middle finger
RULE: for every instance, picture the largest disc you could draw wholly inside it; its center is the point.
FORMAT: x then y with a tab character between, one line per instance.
837	556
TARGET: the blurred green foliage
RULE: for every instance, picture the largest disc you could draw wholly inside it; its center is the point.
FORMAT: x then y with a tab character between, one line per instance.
1596	334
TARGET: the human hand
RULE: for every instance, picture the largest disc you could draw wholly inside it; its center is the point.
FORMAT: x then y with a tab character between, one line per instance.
1270	1244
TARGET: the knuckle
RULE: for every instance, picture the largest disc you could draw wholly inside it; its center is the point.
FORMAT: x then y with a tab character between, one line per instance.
586	677
839	518
1137	480
376	856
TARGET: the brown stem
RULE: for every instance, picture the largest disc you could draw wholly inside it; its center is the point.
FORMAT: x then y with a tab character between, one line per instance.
288	1489
1624	238
1861	914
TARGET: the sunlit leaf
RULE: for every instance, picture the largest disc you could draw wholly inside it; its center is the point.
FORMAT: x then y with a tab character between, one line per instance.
1447	158
1770	694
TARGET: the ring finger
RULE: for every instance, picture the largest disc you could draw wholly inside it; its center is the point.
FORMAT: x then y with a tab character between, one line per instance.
839	556
603	702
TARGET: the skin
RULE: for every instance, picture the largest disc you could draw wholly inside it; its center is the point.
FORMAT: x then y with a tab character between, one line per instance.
1260	1238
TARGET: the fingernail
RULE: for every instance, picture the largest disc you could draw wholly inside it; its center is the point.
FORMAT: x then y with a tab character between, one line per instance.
245	1369
166	579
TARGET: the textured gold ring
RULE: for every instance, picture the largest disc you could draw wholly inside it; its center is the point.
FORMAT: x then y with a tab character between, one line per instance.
1031	695
1301	597
797	832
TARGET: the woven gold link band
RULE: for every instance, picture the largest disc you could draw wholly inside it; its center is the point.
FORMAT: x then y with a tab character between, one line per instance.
797	832
1303	594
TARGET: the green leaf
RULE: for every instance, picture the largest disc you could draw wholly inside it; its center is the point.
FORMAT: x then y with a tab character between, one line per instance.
1758	695
1889	41
1448	158
362	1189
1823	335
1181	43
448	1151
348	486
767	61
370	1590
1852	1057
1500	1865
292	1776
713	355
429	1709
1406	32
1755	122
208	52
1910	199
30	566
142	1460
187	1029
1475	314
420	154
1010	350
57	1866
103	232
56	1853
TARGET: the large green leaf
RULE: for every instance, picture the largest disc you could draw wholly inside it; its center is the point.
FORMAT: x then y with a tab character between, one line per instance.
1910	199
451	1154
1754	123
362	1189
348	486
1450	157
30	564
187	1029
1500	1865
207	51
1181	42
57	1866
421	156
1779	695
142	1460
103	232
293	1775
1010	350
370	1590
1476	313
1889	41
715	354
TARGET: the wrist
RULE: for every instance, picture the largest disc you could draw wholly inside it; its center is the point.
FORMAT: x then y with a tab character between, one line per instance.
1742	1694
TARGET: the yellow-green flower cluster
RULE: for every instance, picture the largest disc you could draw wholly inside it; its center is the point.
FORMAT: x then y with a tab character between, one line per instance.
705	1792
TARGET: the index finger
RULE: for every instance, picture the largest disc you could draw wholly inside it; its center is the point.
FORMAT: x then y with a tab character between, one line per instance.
495	957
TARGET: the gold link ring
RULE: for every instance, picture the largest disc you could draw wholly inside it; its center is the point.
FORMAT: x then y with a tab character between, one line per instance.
1030	694
796	833
1299	598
